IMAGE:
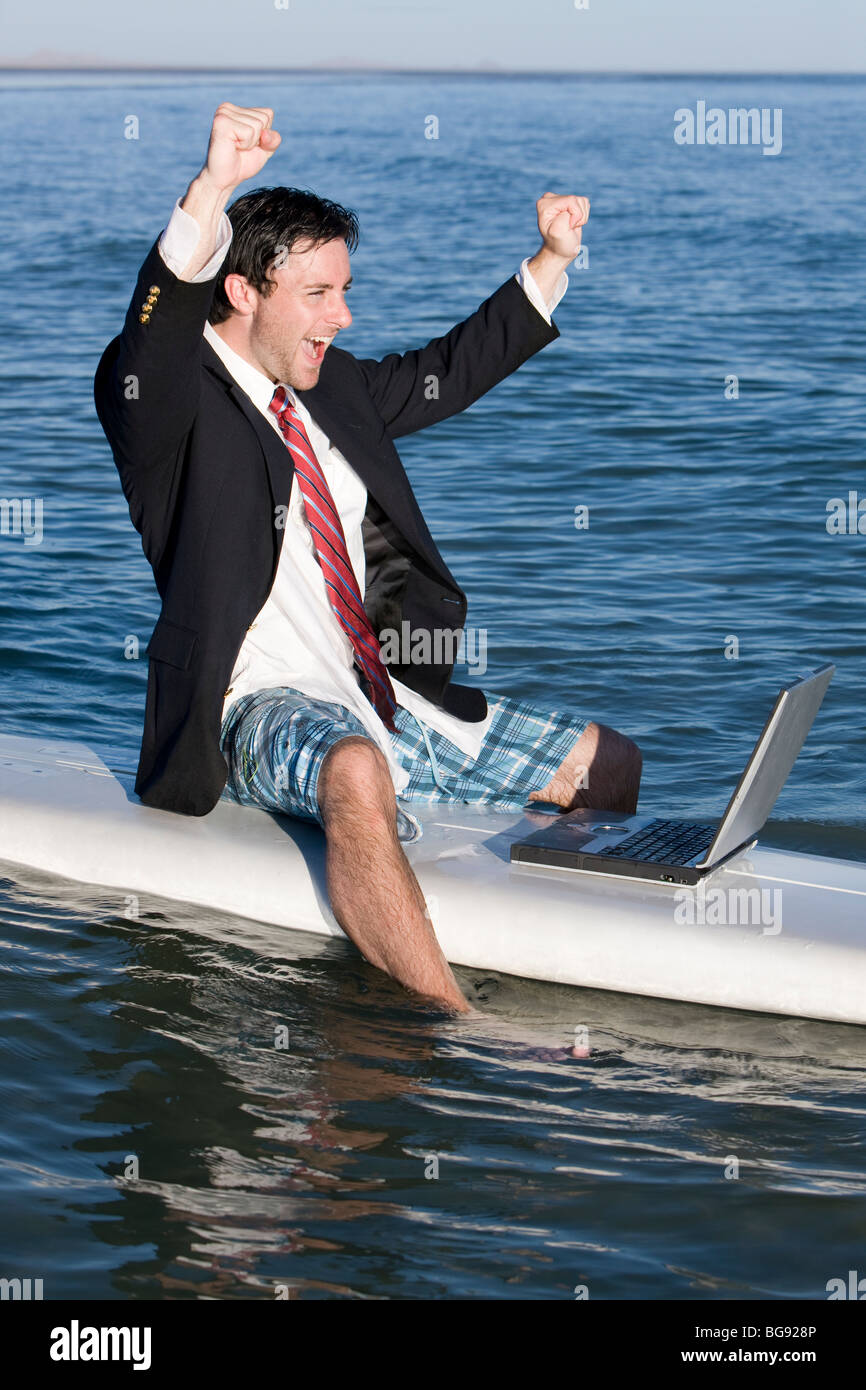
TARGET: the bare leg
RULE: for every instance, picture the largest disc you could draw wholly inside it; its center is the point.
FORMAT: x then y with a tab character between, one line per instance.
374	894
602	770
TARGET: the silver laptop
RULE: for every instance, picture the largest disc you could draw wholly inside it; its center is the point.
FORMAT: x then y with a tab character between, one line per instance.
678	851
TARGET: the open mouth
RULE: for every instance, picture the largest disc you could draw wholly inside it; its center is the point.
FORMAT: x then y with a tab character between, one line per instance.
314	349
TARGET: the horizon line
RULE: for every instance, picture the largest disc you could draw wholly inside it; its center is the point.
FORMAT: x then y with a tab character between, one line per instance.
378	69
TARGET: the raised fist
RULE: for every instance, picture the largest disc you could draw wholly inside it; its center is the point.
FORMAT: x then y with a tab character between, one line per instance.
560	220
241	143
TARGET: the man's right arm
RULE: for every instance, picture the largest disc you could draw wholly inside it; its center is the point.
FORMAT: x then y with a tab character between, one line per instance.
148	382
181	238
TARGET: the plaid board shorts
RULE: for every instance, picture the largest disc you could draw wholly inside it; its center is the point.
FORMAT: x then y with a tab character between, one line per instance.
274	742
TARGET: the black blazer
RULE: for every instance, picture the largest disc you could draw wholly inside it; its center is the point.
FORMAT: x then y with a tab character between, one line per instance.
207	480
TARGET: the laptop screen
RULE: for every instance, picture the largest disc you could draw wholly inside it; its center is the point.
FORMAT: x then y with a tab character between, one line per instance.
772	758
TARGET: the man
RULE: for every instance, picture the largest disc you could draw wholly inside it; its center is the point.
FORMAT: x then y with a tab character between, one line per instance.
259	467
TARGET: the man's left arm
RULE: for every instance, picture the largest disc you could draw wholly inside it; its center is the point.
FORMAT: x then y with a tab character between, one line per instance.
416	389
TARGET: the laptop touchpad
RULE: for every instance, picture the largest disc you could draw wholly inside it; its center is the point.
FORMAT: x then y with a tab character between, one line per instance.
565	835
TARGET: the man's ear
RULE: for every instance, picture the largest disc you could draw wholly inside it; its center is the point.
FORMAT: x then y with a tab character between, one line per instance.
239	293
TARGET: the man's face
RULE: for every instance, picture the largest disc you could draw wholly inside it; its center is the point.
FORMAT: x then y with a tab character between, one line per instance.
308	304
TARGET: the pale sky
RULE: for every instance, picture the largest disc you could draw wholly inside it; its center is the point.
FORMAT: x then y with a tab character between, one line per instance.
514	35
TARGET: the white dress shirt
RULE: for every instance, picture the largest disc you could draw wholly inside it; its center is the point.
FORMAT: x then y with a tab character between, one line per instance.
296	639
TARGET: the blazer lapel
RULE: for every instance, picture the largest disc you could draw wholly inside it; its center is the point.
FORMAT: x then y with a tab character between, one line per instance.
377	465
277	457
379	468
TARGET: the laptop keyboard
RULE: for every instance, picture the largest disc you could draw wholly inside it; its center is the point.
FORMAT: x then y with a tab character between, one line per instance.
665	842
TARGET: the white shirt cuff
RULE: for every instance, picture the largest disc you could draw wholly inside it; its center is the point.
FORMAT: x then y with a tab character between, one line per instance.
527	283
180	238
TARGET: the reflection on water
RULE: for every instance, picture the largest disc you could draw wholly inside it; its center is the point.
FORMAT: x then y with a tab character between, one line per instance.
202	1107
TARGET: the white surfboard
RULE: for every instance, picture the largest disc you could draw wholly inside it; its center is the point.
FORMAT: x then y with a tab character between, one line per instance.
772	931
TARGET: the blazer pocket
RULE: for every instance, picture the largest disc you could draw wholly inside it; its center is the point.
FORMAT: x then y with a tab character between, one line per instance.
172	643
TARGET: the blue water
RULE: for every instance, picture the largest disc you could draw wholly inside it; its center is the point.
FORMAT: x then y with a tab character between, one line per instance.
707	523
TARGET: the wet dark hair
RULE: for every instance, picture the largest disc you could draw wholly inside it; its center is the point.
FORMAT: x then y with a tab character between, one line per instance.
266	225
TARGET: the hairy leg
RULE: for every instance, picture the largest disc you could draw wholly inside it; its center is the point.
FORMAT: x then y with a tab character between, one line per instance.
602	770
374	894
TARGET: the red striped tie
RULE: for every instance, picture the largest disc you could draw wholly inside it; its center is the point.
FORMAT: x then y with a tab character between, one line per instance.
333	556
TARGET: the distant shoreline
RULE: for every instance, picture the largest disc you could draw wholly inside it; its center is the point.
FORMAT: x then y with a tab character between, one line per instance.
112	69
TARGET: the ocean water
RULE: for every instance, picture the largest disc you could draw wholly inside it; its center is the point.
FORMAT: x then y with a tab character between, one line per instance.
705	576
